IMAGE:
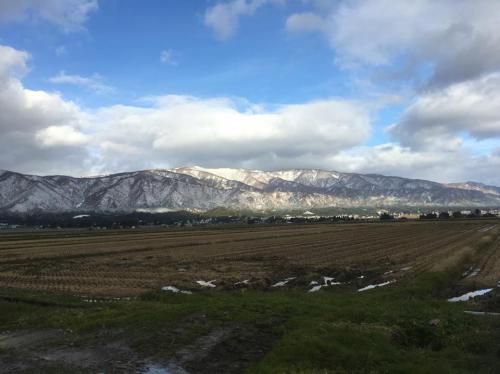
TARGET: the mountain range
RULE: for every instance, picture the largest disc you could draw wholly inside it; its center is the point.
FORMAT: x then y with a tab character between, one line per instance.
203	188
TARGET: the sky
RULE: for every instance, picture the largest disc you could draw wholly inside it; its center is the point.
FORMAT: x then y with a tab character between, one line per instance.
392	87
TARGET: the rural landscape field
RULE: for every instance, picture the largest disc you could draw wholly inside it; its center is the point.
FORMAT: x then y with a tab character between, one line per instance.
249	187
264	298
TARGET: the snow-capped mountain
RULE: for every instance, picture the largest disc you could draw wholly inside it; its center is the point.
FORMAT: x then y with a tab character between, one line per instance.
202	188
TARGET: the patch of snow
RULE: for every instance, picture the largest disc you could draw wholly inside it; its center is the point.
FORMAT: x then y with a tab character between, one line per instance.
465	273
372	286
361	277
283	282
308	213
470	295
327	280
315	288
246	281
175	290
389	272
475	313
406	268
313	283
81	216
474	273
207	284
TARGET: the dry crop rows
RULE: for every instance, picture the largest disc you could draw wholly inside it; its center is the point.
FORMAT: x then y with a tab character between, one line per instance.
122	263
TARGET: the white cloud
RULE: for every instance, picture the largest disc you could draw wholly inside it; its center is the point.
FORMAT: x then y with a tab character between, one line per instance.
93	83
224	17
44	133
436	164
25	113
12	63
470	107
70	15
456	39
60	136
167	56
189	130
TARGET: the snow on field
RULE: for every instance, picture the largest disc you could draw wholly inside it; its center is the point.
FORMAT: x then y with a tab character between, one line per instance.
327	281
81	216
246	281
316	288
467	272
283	282
474	273
406	268
389	272
372	286
470	295
207	284
175	290
476	313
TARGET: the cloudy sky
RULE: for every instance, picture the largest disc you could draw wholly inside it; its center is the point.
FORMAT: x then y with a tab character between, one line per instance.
381	86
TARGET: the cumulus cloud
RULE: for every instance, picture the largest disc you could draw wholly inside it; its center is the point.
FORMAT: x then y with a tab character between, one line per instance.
461	164
469	107
171	131
93	83
25	113
456	40
189	130
70	15
224	17
44	133
60	136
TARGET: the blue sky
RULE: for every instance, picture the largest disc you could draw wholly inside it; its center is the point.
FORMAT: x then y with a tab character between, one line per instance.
123	42
352	85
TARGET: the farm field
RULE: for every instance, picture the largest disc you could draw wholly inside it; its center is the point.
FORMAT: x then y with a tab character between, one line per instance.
317	298
129	263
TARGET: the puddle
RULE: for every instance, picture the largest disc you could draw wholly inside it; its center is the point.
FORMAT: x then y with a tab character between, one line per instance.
470	295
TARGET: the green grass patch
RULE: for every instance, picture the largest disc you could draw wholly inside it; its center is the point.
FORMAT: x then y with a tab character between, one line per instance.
404	327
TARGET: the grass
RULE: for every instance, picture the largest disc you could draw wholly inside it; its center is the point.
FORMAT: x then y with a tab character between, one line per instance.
335	330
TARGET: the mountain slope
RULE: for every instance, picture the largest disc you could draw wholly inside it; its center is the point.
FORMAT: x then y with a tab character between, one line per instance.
201	188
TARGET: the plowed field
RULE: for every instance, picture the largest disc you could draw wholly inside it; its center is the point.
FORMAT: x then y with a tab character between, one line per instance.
128	263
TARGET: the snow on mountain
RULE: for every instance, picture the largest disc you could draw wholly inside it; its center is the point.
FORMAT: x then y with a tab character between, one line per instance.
204	188
474	186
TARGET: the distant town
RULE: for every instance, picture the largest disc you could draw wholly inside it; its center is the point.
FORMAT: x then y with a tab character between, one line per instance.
123	220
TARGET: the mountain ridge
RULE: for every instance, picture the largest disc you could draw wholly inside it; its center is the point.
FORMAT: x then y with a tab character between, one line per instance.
207	188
